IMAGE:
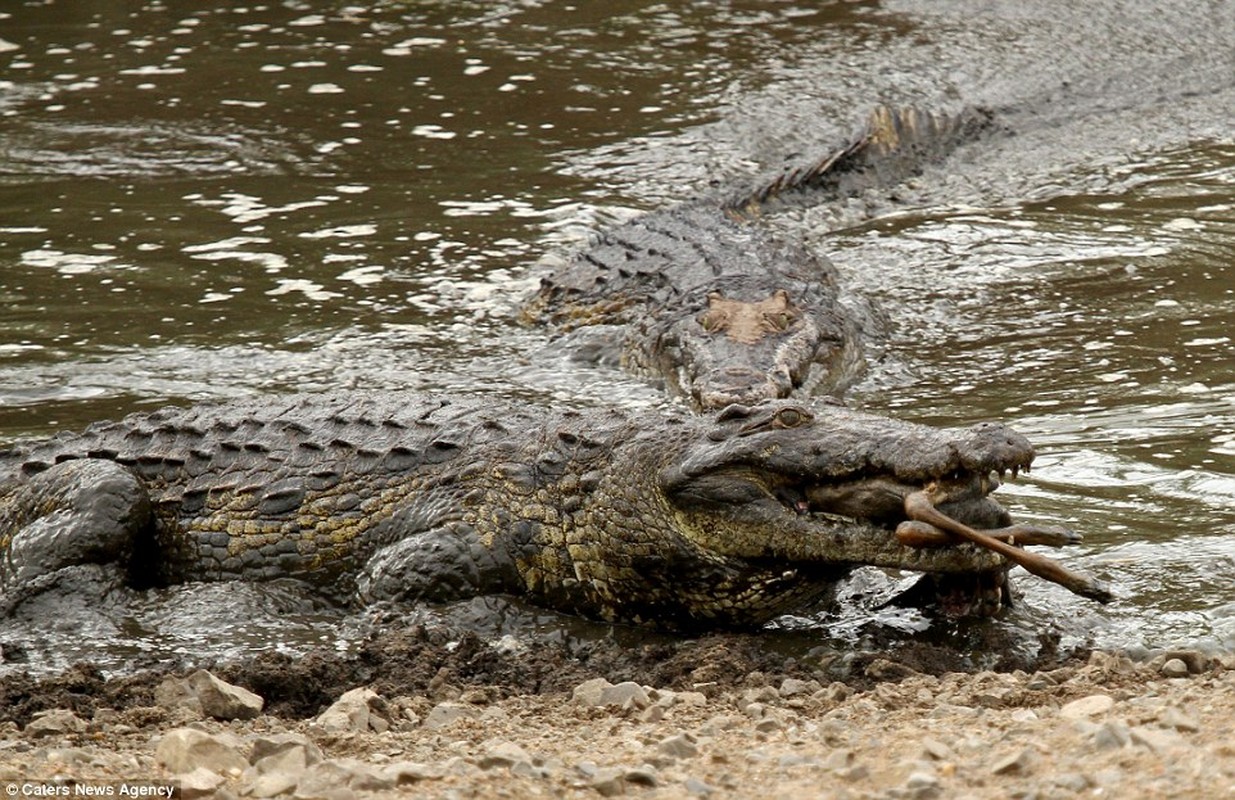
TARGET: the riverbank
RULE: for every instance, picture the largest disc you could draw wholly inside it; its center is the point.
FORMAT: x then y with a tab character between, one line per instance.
711	718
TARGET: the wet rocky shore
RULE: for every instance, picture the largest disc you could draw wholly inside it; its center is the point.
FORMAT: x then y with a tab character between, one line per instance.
426	715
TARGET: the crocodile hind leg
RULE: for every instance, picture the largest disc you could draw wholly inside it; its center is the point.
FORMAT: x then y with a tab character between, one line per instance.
80	512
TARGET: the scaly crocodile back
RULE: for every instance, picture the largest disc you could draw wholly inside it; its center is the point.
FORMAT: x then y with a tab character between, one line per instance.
893	145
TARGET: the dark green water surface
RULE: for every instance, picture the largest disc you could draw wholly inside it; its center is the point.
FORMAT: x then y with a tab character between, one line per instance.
208	200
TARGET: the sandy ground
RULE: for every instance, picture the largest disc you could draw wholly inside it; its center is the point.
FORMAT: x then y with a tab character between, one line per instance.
426	714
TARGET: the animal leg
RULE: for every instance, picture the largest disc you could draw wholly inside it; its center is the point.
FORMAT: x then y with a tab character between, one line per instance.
79	512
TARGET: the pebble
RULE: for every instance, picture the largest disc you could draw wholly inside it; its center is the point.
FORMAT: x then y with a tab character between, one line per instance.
1017	762
174	693
271	762
791	687
502	754
222	700
599	692
356	710
55	722
267	746
1172	717
201	782
589	692
1174	668
183	750
607	781
627	694
1072	781
1155	739
933	748
1090	706
408	772
922	785
680	745
322	781
1110	735
448	713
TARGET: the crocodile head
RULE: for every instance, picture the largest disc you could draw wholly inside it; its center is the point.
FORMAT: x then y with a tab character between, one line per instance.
736	350
794	491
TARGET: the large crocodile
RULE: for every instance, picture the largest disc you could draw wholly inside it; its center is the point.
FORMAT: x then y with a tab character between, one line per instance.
683	521
720	310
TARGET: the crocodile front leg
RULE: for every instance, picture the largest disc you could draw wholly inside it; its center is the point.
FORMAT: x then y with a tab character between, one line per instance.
449	562
86	511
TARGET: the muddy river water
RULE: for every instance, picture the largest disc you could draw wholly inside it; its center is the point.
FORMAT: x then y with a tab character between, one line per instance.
216	199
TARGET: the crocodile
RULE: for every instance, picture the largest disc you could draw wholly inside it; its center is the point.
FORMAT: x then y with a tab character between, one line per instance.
678	520
717	309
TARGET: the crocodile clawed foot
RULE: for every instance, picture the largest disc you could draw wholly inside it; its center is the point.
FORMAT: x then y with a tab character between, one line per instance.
959	595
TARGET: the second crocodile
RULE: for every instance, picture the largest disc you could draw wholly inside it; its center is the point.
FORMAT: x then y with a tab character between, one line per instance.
718	309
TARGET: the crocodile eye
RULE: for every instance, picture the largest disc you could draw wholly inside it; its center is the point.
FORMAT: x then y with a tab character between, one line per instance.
710	322
778	321
791	417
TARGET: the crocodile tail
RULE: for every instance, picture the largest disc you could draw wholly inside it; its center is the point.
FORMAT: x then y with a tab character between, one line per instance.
894	144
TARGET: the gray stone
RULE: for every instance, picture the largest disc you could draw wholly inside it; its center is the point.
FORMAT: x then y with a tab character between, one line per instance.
323	779
1072	781
839	759
652	714
274	744
797	760
858	772
185	749
691	699
922	785
407	772
55	722
1172	717
608	781
835	692
680	745
1014	763
502	754
627	694
273	783
933	748
769	725
589	692
1090	706
791	687
355	711
448	713
1196	661
1111	735
1155	739
1024	715
762	695
698	788
222	700
174	693
1174	668
280	769
201	782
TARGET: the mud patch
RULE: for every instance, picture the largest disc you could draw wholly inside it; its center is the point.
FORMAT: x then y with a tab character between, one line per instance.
437	661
